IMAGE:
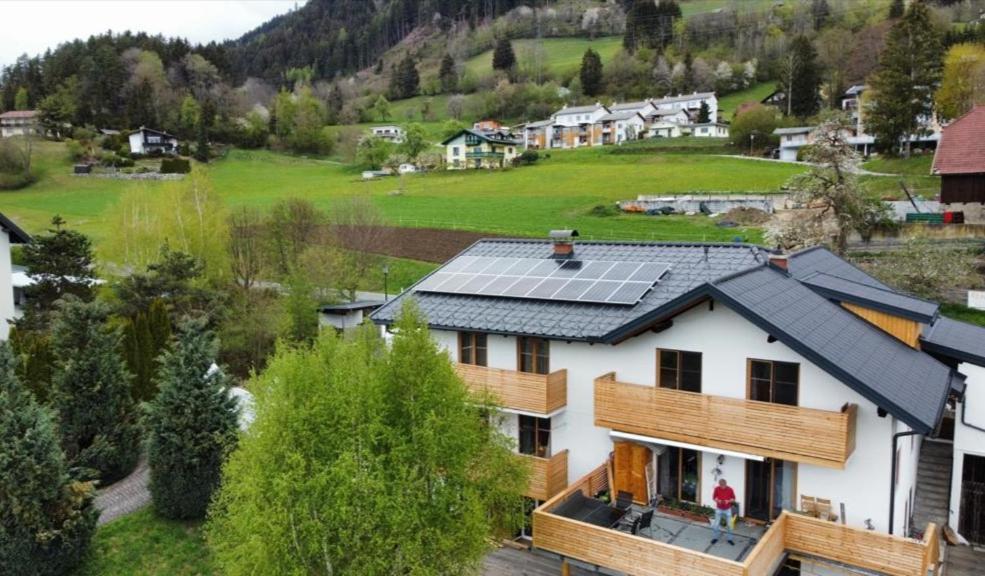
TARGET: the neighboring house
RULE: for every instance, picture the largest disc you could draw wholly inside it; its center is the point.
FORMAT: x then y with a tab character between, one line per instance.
536	134
666	123
960	159
776	98
475	149
691	103
390	132
855	102
643	107
10	234
708	130
792	140
20	123
487	126
619	127
576	126
150	141
348	315
657	368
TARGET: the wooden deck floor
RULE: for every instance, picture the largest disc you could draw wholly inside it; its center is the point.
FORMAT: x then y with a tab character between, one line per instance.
510	562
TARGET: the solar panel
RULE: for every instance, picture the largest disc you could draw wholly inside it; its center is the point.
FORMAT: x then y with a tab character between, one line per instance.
589	281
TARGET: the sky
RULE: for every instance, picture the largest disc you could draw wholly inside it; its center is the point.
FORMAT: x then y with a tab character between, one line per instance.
31	26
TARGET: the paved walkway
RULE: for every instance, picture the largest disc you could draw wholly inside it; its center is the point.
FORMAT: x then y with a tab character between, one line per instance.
511	562
126	496
964	561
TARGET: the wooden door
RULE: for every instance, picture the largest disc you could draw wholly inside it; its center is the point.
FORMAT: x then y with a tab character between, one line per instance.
629	468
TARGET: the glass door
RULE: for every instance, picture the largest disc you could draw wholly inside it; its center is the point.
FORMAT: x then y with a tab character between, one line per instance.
770	488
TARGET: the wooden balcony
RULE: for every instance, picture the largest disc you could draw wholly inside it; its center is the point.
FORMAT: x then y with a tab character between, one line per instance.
521	391
820	437
548	476
790	535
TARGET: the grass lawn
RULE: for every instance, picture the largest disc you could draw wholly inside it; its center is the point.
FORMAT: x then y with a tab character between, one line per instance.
730	102
562	56
963	313
915	171
144	544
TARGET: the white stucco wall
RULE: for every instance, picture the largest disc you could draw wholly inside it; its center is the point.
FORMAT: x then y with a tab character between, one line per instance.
967	440
726	341
6	286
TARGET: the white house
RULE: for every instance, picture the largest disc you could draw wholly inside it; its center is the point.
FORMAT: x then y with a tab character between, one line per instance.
673	366
536	134
792	140
347	315
10	234
708	130
390	132
643	107
666	123
19	123
576	126
619	127
150	141
690	102
478	149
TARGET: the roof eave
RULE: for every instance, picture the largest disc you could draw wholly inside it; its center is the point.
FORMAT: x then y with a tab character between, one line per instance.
873	304
16	233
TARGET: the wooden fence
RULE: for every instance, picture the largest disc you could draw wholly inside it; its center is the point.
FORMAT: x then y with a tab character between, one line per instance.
536	393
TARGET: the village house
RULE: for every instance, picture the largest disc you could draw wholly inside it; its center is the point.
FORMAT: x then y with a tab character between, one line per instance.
576	126
536	134
690	103
10	234
792	140
619	127
389	132
960	162
20	123
708	130
150	141
666	123
476	149
643	107
646	372
347	315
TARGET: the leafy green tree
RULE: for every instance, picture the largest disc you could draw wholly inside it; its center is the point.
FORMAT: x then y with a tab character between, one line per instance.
591	73
46	519
902	87
34	361
300	324
309	118
60	263
145	336
283	113
372	153
381	108
753	128
415	141
191	424
189	116
365	459
963	81
447	75
503	57
802	78
21	100
97	417
58	110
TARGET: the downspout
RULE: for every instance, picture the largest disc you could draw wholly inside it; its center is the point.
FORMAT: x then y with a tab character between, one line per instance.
892	479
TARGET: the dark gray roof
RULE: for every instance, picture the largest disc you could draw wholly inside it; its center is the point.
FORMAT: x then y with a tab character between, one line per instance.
888	301
689	269
348	306
621	115
956	339
17	235
911	385
496	137
580	109
820	259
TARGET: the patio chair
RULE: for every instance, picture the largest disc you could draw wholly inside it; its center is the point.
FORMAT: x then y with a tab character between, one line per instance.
646	518
624	500
808	505
824	509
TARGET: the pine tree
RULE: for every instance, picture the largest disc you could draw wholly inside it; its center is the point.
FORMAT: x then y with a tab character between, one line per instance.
192	425
404	79
47	519
902	87
591	73
503	57
206	119
704	113
60	263
97	416
803	79
21	100
145	335
447	75
896	9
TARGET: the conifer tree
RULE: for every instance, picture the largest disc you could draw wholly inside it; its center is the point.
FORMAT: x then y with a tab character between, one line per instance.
145	335
60	263
192	425
704	113
503	57
447	75
46	519
903	86
591	73
97	417
803	79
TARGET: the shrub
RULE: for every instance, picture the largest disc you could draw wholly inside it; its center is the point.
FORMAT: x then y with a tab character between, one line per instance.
175	166
527	158
75	150
48	519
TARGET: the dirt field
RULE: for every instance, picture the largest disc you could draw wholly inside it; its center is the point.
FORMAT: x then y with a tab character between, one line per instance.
426	244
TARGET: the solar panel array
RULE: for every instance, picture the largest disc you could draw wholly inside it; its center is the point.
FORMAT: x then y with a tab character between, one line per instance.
590	281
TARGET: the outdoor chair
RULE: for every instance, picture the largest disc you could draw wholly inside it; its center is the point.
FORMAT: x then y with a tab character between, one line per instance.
644	521
808	505
624	500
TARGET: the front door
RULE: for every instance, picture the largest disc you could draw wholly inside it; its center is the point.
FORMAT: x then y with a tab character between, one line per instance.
769	488
972	525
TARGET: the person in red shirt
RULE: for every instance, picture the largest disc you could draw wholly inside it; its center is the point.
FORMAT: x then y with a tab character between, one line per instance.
724	497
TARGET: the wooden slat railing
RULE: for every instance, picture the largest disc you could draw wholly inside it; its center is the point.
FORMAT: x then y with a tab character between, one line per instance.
790	533
535	393
548	476
808	435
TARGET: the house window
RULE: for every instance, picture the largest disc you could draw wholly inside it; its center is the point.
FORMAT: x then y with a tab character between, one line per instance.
776	382
679	475
472	348
455	151
535	436
534	355
679	370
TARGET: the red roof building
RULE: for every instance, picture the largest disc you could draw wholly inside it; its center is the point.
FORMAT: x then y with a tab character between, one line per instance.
960	159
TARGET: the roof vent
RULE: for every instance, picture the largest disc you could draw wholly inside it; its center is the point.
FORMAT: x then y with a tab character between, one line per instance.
778	261
564	242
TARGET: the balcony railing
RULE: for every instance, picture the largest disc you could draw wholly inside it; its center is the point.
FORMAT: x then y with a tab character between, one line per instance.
548	476
808	435
522	391
791	534
496	155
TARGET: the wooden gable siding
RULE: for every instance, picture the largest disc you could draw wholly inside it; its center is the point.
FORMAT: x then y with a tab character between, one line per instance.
962	188
903	329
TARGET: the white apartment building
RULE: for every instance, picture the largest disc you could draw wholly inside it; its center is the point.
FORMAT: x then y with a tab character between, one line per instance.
10	234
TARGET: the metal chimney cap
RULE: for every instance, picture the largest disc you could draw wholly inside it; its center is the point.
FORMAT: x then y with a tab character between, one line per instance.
563	234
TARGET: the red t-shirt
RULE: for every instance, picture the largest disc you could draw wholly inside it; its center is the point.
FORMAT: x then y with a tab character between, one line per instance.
723	497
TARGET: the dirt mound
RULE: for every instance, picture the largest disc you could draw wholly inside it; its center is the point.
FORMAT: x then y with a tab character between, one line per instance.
745	216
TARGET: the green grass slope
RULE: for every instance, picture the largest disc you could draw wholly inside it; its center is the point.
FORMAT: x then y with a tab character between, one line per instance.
561	56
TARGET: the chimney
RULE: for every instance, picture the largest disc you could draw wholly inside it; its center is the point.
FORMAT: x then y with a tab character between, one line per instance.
778	261
564	242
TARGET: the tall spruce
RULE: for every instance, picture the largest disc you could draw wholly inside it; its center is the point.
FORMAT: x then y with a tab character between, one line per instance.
191	424
145	335
903	86
704	113
591	73
404	79
803	79
46	519
97	417
447	75
503	57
